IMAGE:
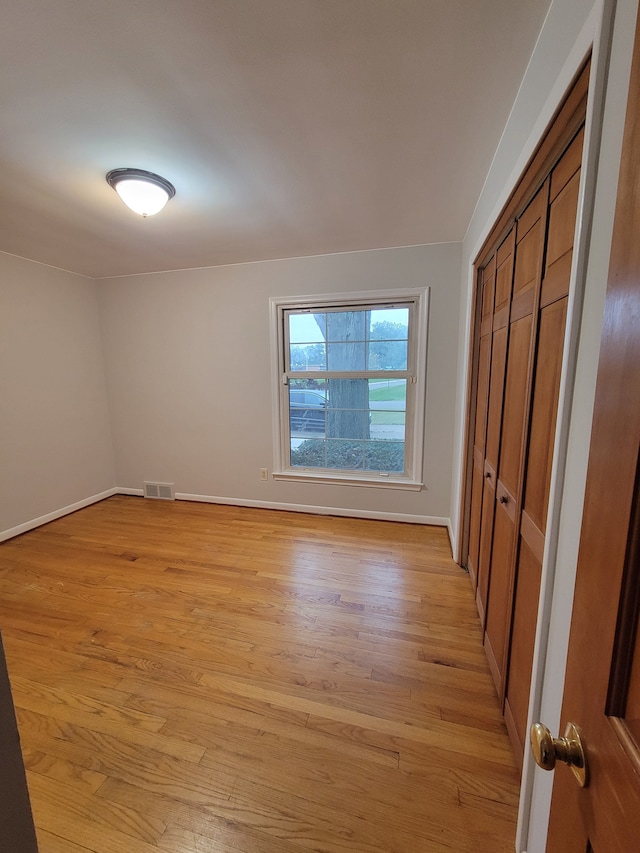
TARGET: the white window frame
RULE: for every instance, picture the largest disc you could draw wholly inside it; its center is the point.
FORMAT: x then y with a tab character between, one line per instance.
418	300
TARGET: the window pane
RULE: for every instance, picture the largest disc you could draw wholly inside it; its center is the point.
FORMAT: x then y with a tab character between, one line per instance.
387	426
310	453
348	394
348	455
307	407
318	386
307	328
387	355
387	394
348	409
343	326
349	356
384	456
389	324
387	409
346	423
307	357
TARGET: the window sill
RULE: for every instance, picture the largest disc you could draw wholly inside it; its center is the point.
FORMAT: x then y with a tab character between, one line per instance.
373	481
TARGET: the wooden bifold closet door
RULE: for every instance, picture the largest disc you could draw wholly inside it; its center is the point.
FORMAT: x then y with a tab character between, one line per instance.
522	290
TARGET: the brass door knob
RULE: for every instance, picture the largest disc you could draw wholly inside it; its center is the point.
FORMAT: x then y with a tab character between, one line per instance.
569	749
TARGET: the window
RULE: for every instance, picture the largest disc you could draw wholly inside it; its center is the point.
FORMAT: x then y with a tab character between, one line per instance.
350	376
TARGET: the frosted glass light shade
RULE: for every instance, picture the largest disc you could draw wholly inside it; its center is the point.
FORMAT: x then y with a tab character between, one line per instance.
143	192
143	198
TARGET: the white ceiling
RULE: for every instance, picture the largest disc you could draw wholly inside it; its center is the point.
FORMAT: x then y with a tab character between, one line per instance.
288	127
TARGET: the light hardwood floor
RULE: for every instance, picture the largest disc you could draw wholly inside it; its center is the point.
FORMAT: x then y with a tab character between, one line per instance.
191	678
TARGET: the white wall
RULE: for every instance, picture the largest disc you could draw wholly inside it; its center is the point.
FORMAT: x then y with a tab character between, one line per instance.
189	376
55	442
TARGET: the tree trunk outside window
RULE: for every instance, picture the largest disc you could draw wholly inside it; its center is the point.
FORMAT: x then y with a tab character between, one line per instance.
348	399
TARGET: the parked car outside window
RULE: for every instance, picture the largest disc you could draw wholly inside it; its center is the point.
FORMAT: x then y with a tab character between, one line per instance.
307	410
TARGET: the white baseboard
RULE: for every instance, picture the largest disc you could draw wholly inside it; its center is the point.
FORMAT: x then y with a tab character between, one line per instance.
455	543
319	510
405	518
58	513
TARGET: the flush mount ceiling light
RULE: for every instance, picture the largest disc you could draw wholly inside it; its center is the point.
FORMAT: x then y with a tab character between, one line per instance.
144	192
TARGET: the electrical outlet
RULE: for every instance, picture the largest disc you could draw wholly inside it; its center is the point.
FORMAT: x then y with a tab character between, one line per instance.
264	473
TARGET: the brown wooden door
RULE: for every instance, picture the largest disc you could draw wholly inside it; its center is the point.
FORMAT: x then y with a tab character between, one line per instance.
500	333
486	288
563	205
602	686
521	305
530	234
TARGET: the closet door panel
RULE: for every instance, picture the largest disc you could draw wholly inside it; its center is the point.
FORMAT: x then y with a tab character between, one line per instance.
565	185
525	617
475	520
498	597
530	242
540	451
496	391
484	366
478	454
562	220
533	521
496	631
544	411
498	363
488	293
500	327
515	400
486	282
504	280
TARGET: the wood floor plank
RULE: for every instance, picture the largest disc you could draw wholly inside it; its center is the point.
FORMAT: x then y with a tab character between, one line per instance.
131	738
192	678
58	797
65	705
50	843
162	776
62	770
221	836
